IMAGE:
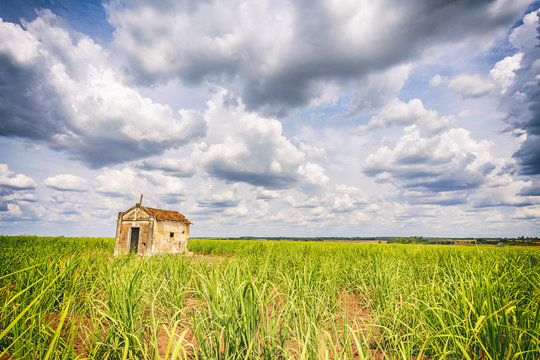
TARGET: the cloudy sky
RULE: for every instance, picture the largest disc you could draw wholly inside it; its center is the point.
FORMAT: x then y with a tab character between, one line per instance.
268	118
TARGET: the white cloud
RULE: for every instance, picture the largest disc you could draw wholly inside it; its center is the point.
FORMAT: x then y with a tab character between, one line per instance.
177	167
503	72
63	89
437	80
471	85
313	174
165	185
246	147
240	210
10	181
66	182
450	161
397	112
347	198
525	36
14	210
215	198
502	189
528	213
115	182
376	89
265	194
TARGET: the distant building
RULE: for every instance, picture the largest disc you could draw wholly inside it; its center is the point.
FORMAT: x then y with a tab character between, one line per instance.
147	231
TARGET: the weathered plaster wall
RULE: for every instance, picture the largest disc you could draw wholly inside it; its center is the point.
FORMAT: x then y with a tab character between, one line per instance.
134	218
164	243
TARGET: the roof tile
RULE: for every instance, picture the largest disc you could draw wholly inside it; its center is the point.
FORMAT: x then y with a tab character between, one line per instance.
166	214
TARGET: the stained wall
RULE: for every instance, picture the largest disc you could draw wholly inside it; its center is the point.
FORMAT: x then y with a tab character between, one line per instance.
134	218
164	242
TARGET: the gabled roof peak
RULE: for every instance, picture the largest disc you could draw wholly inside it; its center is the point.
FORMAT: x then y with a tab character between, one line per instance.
160	214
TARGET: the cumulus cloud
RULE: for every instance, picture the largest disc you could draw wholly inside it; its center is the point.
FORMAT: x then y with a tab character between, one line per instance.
333	202
10	181
238	211
245	147
313	174
503	71
473	86
502	191
14	193
525	36
59	87
397	112
501	77
375	89
219	198
347	198
182	168
265	194
10	212
437	80
67	182
532	189
170	189
528	213
278	52
119	182
447	162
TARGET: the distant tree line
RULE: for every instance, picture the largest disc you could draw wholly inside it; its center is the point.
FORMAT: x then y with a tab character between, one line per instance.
293	238
419	240
521	241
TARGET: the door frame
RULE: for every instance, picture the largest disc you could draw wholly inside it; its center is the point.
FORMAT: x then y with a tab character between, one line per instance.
136	247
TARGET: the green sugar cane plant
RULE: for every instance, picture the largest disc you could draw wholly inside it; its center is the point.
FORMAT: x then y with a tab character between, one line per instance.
122	312
237	317
68	298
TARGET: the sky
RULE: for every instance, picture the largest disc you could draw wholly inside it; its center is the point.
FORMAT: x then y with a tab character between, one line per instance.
272	118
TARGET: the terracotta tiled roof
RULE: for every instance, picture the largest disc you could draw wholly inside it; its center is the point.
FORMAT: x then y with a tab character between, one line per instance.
166	215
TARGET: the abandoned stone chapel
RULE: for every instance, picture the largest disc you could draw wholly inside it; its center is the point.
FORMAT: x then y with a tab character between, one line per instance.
148	231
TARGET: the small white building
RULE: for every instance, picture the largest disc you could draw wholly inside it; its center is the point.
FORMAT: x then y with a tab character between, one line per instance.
147	231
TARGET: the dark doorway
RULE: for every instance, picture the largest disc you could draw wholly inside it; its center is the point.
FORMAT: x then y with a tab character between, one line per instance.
134	245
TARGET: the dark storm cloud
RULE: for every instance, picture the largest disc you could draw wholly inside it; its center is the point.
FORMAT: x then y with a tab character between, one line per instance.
280	57
28	105
267	180
524	110
532	190
528	156
219	204
100	151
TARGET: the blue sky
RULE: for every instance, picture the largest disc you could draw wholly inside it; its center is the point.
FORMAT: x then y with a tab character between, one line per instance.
272	118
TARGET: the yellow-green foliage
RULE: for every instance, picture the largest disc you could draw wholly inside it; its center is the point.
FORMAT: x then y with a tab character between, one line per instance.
66	298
